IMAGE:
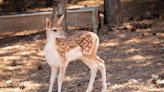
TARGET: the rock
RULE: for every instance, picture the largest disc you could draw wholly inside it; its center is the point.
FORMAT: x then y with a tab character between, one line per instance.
135	51
151	81
140	80
142	34
14	75
138	25
133	81
117	86
109	75
131	18
160	81
162	48
138	61
155	76
36	37
40	67
107	51
114	29
122	27
159	63
133	29
14	63
9	82
154	33
149	25
142	17
33	44
141	25
105	32
105	57
83	74
24	59
79	84
156	15
108	83
128	26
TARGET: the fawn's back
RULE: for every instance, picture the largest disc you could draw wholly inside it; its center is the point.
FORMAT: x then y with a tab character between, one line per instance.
87	42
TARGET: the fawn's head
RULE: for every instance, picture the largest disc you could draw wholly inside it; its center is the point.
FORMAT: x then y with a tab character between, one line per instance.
55	29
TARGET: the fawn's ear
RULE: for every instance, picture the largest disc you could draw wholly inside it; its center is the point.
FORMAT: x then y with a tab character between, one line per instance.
60	20
48	23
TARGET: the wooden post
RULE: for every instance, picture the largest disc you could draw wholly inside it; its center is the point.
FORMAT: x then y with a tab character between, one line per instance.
59	9
113	12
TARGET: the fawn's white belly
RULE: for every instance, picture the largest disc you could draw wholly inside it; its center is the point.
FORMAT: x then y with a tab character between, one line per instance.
54	59
74	54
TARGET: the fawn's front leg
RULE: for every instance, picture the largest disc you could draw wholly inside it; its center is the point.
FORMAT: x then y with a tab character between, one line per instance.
54	71
61	76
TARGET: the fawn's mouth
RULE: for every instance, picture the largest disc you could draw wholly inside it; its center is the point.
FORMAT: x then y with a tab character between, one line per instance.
63	36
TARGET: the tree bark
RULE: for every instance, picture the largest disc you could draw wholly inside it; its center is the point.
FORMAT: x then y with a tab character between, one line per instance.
20	6
49	3
113	12
59	9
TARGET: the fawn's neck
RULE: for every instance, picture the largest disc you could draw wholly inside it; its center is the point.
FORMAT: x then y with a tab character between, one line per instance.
51	42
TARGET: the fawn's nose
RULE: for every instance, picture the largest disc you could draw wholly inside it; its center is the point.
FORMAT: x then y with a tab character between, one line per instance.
65	34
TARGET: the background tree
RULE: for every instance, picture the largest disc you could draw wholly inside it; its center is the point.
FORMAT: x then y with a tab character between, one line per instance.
59	9
49	3
113	12
20	5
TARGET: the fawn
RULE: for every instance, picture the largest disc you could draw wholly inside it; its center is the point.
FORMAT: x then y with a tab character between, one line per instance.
78	45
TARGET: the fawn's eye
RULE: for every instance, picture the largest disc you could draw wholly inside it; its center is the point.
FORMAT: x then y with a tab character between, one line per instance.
55	30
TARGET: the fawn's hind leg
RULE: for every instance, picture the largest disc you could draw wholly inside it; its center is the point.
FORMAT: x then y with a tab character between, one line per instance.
93	69
93	63
101	66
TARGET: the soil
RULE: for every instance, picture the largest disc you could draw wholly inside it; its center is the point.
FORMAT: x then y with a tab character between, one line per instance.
131	54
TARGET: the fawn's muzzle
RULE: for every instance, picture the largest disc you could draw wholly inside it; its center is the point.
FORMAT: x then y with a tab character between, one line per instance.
65	34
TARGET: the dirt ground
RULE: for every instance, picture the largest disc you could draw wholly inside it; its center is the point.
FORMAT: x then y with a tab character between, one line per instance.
128	56
131	55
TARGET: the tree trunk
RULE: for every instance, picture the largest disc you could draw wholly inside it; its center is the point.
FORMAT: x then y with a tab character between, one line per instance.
20	6
59	9
49	3
1	1
113	12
